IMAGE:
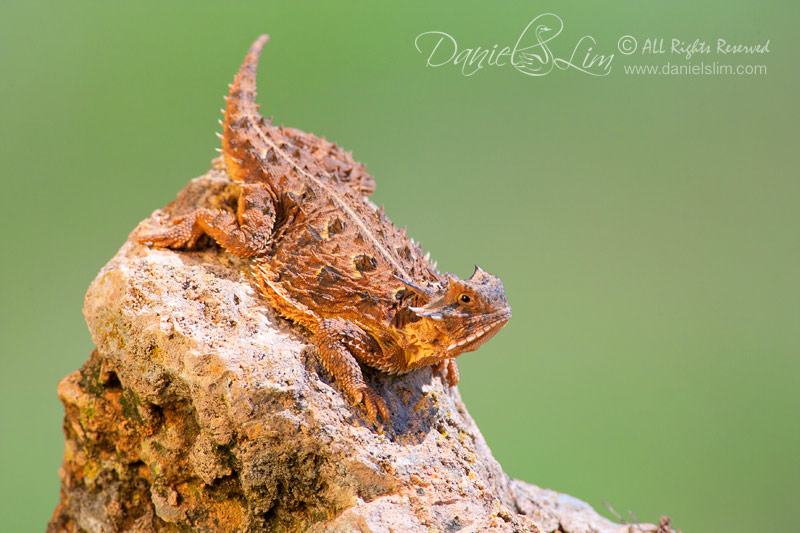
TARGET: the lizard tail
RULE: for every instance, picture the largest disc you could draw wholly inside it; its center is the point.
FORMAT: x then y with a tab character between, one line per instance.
242	117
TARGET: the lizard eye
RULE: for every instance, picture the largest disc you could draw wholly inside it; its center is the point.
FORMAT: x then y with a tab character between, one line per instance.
464	298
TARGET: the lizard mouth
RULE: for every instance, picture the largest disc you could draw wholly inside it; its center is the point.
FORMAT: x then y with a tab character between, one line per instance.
485	332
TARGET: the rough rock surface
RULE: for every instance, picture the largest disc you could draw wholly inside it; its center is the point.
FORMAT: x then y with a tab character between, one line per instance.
202	410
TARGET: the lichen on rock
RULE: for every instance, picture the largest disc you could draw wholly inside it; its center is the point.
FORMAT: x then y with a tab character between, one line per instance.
200	409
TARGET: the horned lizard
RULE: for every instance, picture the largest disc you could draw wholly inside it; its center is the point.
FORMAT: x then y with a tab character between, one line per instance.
327	259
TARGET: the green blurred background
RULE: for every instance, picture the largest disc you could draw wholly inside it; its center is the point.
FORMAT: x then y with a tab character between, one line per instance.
646	228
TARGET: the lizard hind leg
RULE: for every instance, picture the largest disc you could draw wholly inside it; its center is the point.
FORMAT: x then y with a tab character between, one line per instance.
246	234
339	342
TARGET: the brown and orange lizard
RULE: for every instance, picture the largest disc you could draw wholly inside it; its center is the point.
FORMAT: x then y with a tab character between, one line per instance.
326	258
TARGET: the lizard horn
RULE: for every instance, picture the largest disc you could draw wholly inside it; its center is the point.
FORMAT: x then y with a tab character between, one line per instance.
416	288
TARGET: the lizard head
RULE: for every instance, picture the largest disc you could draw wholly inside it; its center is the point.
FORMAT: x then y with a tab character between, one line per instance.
466	313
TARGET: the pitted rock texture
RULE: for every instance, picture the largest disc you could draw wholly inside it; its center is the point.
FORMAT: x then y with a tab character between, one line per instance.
202	410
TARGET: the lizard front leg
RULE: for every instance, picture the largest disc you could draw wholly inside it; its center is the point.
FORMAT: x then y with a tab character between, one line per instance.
339	343
245	235
448	370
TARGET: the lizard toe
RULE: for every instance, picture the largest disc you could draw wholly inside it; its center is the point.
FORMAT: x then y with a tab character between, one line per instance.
374	405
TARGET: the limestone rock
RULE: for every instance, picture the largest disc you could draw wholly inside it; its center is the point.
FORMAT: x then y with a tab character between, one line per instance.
203	410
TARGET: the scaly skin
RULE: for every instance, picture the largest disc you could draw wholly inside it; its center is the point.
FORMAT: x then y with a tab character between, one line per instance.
326	258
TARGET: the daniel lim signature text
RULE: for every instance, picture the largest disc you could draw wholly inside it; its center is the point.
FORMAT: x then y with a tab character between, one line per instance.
531	54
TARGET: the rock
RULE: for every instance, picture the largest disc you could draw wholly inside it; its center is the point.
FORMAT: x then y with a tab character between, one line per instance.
202	410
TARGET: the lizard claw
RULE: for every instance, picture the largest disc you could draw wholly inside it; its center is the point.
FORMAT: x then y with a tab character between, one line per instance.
184	233
373	403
